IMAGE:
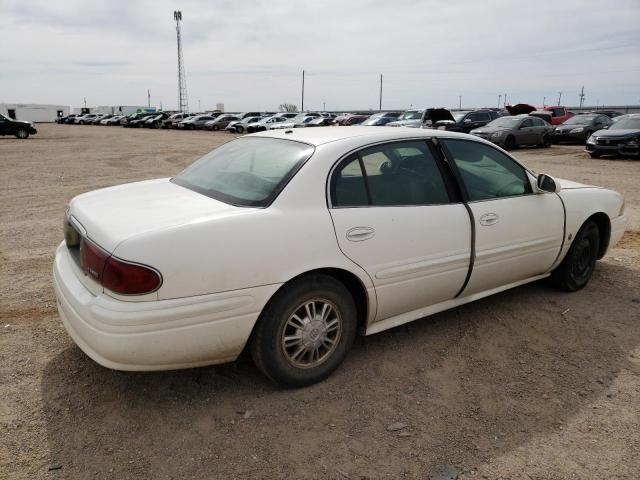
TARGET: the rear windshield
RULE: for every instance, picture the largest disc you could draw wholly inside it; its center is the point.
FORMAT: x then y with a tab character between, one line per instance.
580	120
506	122
247	172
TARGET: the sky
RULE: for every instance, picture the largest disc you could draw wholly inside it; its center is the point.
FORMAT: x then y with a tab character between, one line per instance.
250	54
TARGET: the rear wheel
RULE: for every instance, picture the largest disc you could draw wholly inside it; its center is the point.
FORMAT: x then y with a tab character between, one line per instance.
510	143
22	134
577	267
305	331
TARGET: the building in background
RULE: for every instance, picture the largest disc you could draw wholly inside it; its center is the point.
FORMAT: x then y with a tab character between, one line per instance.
115	109
32	112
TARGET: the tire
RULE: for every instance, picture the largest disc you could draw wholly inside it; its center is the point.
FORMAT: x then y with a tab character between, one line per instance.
22	134
587	134
215	128
295	364
594	154
239	129
577	267
546	141
81	122
510	143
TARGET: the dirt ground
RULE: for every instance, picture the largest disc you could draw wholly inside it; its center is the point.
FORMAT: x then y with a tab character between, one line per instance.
528	384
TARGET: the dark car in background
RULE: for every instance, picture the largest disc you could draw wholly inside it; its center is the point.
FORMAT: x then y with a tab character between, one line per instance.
139	122
66	119
579	128
466	121
100	117
621	138
382	118
18	128
156	120
241	126
513	131
609	113
355	120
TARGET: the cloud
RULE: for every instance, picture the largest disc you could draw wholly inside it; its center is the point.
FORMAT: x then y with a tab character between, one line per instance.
250	55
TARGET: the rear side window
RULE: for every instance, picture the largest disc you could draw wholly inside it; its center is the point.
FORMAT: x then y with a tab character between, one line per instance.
404	173
246	172
486	172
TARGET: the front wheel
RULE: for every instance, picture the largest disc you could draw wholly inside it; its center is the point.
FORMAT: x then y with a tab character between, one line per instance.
22	134
577	267
546	141
305	331
510	143
239	129
215	128
594	155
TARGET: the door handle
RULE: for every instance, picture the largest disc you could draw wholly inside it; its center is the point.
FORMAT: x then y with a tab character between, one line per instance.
358	234
489	219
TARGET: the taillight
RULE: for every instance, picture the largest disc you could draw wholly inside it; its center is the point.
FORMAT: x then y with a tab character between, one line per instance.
92	259
117	275
129	278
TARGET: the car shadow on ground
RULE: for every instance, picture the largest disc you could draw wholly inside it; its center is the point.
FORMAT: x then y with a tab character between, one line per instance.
467	385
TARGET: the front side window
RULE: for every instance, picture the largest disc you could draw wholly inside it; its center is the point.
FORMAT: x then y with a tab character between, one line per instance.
527	123
247	172
403	173
486	172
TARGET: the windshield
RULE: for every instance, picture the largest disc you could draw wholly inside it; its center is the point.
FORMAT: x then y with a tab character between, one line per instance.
411	115
247	172
580	120
632	123
505	122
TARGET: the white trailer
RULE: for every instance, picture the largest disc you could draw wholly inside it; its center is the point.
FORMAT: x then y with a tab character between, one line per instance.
32	112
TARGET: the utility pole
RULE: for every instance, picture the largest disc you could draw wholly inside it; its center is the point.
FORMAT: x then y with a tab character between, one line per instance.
505	99
460	102
324	107
544	101
302	101
182	83
499	99
582	95
85	102
559	97
199	107
380	103
148	98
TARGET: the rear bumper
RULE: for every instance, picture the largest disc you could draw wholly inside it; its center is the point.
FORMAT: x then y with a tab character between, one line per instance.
155	335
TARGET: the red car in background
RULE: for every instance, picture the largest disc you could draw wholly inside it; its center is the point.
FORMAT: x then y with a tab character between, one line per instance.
555	115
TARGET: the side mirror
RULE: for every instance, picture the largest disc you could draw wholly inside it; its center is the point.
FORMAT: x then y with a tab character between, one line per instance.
546	183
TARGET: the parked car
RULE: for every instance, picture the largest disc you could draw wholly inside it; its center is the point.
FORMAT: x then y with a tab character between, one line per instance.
410	118
465	121
621	138
618	118
265	124
139	122
176	117
66	119
355	120
512	131
554	115
283	244
196	122
100	117
156	120
85	119
300	120
221	122
115	120
580	127
382	118
19	128
609	113
240	126
319	122
134	117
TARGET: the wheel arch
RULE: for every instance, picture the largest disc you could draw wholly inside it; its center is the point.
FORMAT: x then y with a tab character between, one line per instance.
352	283
603	222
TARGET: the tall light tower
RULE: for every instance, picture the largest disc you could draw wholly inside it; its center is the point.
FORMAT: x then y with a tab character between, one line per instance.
182	83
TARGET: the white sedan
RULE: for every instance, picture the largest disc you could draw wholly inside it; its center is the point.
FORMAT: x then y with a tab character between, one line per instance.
289	242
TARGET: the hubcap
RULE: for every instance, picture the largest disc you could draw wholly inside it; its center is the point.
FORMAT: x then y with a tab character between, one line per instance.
311	333
583	258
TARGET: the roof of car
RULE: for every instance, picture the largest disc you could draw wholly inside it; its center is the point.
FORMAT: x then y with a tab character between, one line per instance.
320	135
